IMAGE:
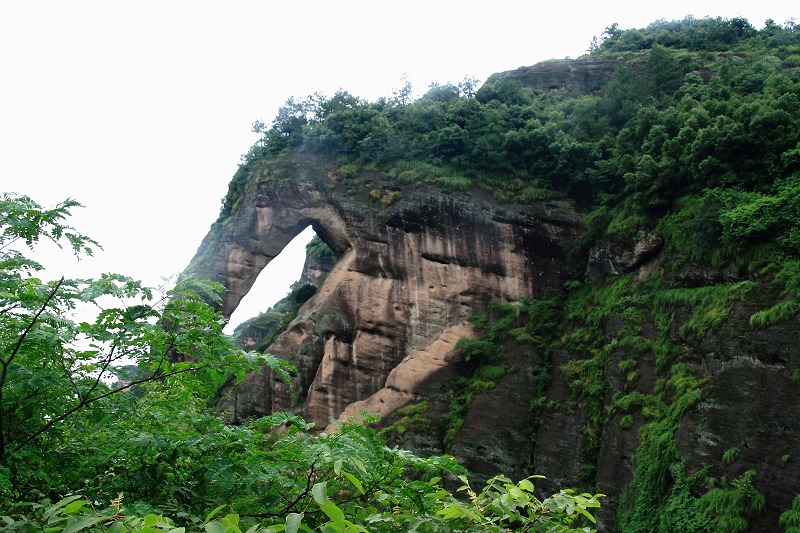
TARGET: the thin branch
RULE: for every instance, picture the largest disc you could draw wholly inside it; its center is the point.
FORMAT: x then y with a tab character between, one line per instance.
290	504
9	307
100	374
68	374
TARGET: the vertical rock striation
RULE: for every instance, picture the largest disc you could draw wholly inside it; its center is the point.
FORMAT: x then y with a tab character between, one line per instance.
410	273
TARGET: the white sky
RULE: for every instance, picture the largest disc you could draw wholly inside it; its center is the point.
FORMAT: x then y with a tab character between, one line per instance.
140	110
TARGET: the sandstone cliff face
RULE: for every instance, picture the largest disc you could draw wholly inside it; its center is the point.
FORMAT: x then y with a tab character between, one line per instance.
749	402
409	275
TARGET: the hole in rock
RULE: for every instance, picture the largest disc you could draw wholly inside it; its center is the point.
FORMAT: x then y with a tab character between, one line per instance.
274	282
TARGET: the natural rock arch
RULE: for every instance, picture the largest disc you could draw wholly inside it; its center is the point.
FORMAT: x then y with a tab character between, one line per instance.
413	267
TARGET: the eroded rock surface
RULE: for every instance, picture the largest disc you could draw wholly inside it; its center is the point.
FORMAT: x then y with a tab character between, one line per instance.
410	273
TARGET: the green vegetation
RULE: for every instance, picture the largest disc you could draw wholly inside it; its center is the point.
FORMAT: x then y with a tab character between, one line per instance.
731	504
730	455
695	138
317	249
482	361
790	519
647	136
409	418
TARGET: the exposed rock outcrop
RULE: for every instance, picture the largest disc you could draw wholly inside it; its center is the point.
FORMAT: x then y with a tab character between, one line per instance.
614	257
582	76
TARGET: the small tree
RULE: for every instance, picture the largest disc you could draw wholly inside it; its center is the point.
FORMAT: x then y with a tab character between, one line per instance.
403	95
55	362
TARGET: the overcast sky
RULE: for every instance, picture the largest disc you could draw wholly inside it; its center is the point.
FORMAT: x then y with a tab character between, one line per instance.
141	110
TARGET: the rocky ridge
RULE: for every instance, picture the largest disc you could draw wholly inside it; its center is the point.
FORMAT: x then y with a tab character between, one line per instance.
414	264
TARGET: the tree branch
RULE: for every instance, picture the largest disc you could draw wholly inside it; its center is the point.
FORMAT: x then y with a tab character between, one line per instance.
5	363
87	400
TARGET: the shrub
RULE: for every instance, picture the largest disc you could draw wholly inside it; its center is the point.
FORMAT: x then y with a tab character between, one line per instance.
730	455
626	422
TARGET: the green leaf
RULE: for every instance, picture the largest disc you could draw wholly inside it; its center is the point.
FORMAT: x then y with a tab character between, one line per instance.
81	523
359	463
214	512
516	493
293	521
74	507
587	514
525	484
215	527
320	492
231	521
451	511
355	481
54	508
334	513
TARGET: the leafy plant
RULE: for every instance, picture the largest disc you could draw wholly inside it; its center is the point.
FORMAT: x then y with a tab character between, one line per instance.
53	366
731	504
502	504
499	505
790	519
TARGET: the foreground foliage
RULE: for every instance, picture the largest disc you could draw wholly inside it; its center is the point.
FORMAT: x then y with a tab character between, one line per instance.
105	422
501	505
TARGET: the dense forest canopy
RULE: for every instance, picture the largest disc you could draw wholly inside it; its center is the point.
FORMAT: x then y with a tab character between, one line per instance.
699	116
695	136
667	74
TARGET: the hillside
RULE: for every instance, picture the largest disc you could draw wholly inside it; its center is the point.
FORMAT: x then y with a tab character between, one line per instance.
587	269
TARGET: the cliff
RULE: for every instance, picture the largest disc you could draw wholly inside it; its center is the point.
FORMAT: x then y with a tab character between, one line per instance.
379	334
583	76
